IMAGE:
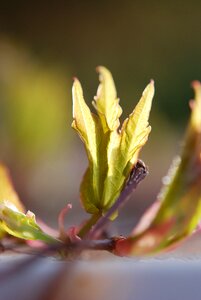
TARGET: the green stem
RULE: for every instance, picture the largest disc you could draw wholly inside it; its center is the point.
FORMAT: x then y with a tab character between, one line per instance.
88	225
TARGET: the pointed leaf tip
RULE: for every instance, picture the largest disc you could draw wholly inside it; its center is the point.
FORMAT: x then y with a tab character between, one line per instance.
136	129
106	101
77	94
84	121
196	84
196	106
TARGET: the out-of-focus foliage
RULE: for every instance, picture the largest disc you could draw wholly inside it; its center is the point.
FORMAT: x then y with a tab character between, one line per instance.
111	151
23	226
177	212
8	195
33	105
12	217
7	191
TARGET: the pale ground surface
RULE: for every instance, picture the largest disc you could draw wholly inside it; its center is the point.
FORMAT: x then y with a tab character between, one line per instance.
100	275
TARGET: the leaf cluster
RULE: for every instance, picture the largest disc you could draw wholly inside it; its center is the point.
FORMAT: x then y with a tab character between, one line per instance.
112	149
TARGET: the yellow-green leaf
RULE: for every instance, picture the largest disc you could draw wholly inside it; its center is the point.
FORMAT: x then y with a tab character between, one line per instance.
115	177
196	107
125	147
87	126
22	226
12	217
90	204
111	152
135	129
84	122
8	194
106	101
7	191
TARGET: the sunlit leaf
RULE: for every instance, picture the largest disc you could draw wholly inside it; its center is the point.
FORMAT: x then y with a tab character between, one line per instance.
135	129
7	191
106	101
111	152
8	194
178	209
87	192
124	147
12	217
22	225
86	124
196	107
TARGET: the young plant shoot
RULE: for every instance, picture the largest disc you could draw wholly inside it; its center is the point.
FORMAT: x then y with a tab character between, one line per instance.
114	172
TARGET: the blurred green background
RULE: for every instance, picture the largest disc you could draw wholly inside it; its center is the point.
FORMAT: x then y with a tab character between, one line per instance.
43	45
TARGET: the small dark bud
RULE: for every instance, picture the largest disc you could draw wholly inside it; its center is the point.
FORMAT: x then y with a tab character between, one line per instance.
138	172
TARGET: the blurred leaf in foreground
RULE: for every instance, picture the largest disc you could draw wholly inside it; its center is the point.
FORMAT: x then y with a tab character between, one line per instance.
177	212
7	191
12	217
8	194
22	225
